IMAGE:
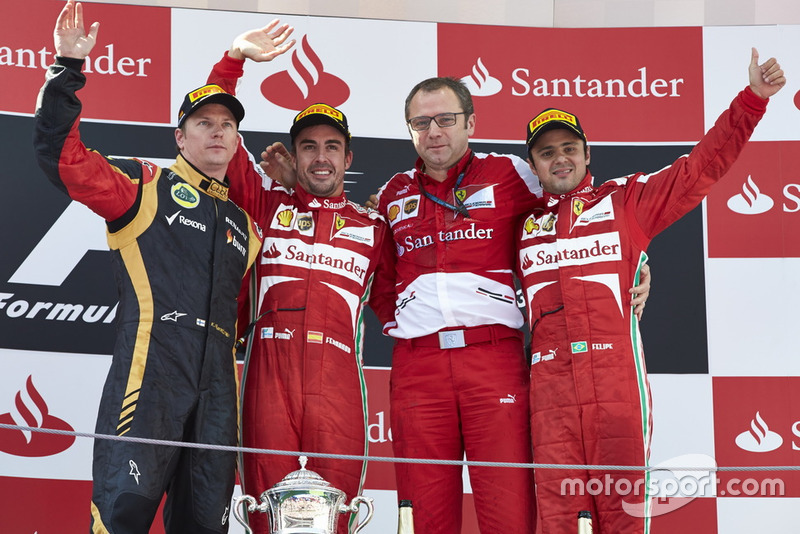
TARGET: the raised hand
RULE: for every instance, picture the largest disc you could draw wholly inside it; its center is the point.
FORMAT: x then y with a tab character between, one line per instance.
263	44
69	36
767	78
278	163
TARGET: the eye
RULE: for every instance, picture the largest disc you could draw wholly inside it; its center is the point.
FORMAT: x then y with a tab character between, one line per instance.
546	154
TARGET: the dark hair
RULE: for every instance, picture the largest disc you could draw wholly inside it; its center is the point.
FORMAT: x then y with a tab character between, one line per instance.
347	141
434	84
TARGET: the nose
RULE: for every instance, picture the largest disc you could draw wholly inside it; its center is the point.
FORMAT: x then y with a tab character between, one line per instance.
561	156
434	130
320	155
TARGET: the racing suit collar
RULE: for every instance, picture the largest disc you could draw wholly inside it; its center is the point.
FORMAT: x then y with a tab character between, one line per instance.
314	202
584	186
194	177
452	172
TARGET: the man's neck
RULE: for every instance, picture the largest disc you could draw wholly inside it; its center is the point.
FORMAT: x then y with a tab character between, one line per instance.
438	175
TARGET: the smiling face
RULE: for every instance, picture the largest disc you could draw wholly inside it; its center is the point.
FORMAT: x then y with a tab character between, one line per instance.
321	159
560	160
440	148
208	139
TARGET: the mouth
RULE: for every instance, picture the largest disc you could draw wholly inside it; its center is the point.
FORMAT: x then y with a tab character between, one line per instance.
562	172
322	173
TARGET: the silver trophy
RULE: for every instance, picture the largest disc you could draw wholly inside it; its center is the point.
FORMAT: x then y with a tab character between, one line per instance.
302	503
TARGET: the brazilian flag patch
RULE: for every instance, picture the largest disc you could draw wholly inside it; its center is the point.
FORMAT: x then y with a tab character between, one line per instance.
579	347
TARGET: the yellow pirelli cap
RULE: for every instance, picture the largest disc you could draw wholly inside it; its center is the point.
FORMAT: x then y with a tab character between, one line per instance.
550	119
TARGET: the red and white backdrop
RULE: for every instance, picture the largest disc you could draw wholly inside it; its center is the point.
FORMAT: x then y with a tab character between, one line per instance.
720	325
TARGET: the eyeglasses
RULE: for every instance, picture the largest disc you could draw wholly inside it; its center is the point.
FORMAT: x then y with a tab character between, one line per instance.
443	120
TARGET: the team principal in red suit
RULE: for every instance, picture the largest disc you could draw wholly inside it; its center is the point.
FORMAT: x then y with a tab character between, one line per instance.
590	398
459	379
304	387
179	251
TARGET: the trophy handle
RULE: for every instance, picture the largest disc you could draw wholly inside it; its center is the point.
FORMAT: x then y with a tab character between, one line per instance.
354	505
252	504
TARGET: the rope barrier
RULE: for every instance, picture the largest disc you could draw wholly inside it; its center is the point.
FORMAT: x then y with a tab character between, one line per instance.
231	448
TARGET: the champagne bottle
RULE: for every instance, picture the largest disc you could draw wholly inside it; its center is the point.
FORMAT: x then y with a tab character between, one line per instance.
584	522
405	518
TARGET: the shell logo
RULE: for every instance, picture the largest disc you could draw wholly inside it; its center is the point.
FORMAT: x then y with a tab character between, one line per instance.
394	211
530	225
285	218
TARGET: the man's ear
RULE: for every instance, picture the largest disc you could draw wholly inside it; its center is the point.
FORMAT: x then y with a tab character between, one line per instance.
532	167
588	157
470	125
179	138
348	159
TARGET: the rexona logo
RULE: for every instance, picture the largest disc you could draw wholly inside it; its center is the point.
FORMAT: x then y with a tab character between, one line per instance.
31	410
759	438
305	83
481	83
750	201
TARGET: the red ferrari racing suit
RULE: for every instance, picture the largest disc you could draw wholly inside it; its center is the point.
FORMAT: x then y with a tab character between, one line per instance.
590	397
455	278
304	387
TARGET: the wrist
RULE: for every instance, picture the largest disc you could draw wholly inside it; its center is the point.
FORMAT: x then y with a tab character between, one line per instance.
235	53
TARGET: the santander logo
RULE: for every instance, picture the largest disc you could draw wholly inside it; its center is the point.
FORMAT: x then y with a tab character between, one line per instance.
31	410
481	83
759	438
751	201
305	83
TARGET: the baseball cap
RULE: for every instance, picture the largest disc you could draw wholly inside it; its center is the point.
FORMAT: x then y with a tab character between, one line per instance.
319	114
209	94
550	119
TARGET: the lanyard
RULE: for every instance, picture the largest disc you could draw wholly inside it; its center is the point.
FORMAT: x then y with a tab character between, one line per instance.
459	206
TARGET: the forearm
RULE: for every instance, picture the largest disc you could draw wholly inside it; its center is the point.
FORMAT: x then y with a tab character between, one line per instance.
84	175
226	73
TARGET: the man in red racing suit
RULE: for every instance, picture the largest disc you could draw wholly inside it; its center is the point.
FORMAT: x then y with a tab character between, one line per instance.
590	398
304	387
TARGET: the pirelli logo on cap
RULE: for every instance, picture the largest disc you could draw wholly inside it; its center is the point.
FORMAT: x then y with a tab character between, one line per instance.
321	109
552	115
553	118
204	91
